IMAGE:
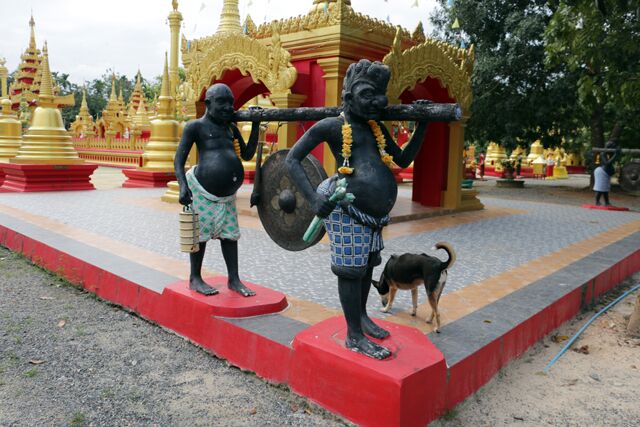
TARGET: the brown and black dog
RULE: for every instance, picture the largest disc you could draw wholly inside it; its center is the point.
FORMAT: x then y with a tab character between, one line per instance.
408	271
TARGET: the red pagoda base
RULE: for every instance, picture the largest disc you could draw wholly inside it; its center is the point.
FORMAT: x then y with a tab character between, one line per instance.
30	178
147	179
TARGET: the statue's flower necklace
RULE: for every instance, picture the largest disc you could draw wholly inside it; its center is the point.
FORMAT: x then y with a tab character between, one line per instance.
347	142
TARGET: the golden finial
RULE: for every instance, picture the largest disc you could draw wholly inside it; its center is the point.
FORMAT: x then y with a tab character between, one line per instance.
112	97
174	3
32	37
84	105
165	89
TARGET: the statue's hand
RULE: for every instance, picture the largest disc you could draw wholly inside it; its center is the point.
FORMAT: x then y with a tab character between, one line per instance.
255	198
322	206
255	108
186	197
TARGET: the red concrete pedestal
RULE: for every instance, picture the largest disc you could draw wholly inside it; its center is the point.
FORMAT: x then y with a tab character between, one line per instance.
231	304
138	178
407	389
605	208
24	178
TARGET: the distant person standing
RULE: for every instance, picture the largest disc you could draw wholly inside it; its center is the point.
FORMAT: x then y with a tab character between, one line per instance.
481	164
602	175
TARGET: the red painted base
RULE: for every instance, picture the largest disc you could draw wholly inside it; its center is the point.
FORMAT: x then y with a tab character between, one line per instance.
576	169
409	389
605	208
405	390
231	304
147	179
30	178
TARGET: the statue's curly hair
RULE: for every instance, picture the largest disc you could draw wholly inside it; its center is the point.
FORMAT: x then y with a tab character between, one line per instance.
375	73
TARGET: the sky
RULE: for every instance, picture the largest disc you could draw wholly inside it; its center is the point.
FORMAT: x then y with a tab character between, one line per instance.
87	37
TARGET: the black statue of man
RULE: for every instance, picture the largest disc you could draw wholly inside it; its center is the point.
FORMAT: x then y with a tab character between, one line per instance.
364	148
211	185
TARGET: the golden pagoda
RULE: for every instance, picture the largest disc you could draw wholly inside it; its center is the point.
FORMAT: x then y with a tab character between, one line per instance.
157	161
10	126
10	131
535	152
83	126
495	154
113	118
47	141
27	71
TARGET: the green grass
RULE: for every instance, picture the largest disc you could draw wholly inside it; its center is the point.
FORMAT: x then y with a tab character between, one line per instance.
107	393
31	373
450	415
78	419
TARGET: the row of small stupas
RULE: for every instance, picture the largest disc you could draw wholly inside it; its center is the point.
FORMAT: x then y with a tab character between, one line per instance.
531	164
118	119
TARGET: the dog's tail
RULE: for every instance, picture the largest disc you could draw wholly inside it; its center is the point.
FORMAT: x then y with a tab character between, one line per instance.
449	249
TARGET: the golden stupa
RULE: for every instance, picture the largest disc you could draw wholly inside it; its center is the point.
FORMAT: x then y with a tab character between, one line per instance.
47	141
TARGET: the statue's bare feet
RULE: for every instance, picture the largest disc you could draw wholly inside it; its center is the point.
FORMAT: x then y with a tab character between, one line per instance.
238	287
198	285
373	330
367	347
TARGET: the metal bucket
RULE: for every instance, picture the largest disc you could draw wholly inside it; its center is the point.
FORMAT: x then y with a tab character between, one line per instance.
189	230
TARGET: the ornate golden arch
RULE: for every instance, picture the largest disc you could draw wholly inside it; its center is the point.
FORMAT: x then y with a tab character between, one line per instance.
451	65
208	58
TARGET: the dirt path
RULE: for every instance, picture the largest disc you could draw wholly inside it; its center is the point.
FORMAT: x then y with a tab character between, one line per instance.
596	386
67	358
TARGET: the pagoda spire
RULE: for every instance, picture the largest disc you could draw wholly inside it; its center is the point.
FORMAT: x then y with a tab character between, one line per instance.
83	105
165	108
46	98
32	37
113	97
230	18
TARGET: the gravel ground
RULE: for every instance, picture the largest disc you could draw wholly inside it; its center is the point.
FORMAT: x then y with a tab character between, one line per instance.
594	386
67	358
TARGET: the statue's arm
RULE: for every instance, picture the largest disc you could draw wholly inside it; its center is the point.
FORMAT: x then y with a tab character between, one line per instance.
404	156
248	149
187	141
310	140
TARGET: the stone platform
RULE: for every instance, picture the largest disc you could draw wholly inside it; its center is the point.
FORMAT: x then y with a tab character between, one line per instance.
510	286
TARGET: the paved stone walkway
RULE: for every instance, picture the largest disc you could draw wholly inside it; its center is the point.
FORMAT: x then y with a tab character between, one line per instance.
485	247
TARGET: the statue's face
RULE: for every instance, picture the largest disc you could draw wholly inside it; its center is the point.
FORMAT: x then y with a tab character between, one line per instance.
366	101
219	103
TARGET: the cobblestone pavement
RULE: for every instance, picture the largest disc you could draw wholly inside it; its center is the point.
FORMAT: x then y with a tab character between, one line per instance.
485	248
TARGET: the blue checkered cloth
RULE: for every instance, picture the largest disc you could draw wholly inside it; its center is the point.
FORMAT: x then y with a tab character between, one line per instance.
353	234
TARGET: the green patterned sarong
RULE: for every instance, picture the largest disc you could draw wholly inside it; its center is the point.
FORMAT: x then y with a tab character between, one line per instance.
218	216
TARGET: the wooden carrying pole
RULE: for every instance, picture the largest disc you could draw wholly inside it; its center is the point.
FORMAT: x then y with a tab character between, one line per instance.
410	112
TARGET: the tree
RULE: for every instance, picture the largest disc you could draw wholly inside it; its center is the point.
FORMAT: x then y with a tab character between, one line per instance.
517	99
600	42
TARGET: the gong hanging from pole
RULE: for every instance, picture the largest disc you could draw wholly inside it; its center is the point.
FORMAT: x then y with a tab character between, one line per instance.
284	211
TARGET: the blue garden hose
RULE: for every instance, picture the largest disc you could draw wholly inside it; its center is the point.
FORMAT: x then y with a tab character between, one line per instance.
575	337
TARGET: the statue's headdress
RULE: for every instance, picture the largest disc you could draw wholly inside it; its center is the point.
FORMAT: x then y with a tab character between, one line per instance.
375	73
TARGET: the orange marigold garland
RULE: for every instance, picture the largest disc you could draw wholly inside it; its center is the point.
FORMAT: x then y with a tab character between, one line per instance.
347	141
